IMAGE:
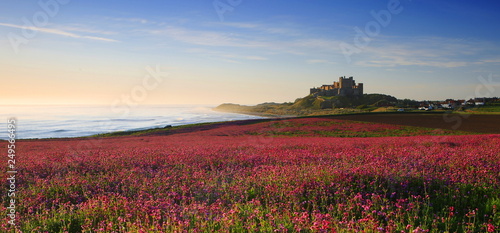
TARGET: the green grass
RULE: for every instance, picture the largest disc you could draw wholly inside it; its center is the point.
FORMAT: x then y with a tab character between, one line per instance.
150	131
343	129
487	109
404	131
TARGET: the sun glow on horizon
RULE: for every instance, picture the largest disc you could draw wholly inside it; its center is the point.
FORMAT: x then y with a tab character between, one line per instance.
273	52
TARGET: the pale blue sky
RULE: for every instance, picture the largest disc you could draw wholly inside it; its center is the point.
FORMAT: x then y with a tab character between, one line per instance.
97	52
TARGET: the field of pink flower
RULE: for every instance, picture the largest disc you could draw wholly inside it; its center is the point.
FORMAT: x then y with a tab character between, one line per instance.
259	178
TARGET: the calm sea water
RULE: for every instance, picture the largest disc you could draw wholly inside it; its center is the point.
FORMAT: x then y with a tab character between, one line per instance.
74	121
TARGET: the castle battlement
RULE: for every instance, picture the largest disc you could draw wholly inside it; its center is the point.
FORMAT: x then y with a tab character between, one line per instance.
344	87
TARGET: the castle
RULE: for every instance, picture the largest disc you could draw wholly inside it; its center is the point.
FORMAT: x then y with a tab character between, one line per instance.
344	87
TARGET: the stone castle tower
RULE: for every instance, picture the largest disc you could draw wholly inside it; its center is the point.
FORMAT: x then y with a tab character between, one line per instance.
344	87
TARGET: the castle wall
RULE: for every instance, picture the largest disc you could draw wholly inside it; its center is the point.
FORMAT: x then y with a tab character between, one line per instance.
344	87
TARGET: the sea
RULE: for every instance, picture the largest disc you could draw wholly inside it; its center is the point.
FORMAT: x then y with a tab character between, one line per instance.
66	121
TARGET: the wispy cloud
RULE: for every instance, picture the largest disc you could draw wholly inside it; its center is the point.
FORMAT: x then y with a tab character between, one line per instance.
489	61
390	52
430	51
239	25
215	38
99	38
80	28
320	61
228	57
255	58
58	32
404	62
262	28
205	37
130	20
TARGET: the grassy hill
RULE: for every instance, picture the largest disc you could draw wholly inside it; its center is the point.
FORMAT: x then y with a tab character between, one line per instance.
314	105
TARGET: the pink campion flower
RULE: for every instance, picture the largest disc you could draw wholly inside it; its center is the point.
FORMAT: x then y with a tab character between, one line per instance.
419	230
451	211
490	227
179	175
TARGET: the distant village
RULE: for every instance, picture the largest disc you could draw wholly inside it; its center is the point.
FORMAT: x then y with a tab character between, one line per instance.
455	104
347	87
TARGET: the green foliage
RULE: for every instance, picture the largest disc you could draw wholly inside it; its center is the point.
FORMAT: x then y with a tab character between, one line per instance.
320	105
373	99
493	108
306	102
318	102
407	103
346	102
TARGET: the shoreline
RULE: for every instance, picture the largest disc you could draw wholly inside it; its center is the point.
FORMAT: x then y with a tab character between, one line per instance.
478	123
63	122
261	114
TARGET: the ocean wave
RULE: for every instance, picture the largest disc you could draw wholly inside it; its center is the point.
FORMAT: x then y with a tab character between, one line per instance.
133	120
70	121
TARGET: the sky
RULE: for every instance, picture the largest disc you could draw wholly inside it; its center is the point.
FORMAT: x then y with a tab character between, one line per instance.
244	51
